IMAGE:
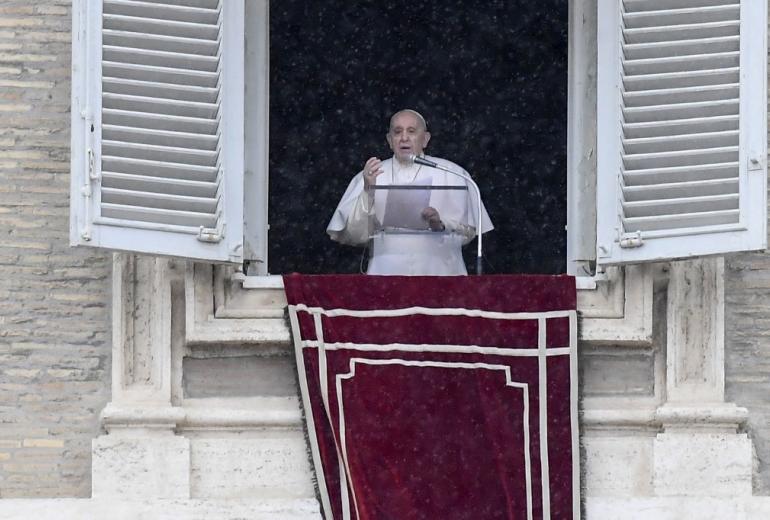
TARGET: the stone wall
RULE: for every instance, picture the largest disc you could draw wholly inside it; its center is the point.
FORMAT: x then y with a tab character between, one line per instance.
747	349
54	312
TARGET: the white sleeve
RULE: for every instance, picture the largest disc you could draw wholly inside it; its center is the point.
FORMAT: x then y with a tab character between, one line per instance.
357	227
350	222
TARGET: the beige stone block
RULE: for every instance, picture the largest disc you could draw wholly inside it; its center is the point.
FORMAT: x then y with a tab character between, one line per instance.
14	432
45	36
43	443
52	144
18	478
15	108
618	466
72	297
702	464
269	467
16	9
41	246
23	154
22	372
61	373
29	468
156	466
20	223
25	132
5	456
42	189
17	57
52	9
12	387
35	455
21	22
30	345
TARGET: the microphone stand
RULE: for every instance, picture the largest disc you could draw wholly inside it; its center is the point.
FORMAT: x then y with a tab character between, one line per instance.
467	178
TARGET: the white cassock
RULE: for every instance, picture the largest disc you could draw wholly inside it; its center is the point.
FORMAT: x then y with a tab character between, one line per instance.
361	218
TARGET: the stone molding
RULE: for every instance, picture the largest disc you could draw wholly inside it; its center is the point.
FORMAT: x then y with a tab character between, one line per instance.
615	308
168	509
185	417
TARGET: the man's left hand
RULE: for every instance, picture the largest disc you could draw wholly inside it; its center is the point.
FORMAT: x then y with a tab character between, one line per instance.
433	218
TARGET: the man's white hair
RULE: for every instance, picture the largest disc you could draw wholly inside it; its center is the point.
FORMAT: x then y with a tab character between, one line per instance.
415	113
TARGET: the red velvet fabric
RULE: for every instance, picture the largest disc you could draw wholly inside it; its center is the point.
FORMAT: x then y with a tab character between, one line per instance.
429	434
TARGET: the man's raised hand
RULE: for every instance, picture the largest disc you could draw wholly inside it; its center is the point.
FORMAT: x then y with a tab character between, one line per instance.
372	169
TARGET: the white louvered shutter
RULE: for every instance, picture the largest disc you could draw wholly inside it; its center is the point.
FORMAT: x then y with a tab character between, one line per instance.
681	128
157	144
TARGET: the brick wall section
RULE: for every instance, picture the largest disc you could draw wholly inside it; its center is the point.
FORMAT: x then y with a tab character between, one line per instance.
54	312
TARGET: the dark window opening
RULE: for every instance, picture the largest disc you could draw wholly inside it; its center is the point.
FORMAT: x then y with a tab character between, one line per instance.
489	77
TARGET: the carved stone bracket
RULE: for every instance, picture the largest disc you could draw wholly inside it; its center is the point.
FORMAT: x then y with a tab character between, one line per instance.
219	311
618	310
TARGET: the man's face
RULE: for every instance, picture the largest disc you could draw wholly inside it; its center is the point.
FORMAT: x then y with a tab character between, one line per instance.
407	136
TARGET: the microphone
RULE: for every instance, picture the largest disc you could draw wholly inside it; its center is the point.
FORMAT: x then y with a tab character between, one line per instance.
421	160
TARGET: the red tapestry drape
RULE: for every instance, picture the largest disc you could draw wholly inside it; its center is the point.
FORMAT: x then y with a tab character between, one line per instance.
439	397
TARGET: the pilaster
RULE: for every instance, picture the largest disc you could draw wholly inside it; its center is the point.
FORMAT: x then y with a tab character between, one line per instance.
141	457
700	450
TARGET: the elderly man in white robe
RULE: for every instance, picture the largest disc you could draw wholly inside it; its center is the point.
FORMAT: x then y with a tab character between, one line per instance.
372	213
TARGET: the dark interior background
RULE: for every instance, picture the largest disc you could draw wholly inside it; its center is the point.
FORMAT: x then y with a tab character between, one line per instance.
490	77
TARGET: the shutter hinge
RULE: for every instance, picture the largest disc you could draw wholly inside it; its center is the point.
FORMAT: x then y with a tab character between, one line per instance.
632	240
87	191
209	235
93	174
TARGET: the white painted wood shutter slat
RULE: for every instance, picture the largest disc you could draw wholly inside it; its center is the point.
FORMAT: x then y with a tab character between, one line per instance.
681	128
162	170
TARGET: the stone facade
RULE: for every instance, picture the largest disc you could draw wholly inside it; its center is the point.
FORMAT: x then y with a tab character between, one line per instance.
178	427
54	300
747	351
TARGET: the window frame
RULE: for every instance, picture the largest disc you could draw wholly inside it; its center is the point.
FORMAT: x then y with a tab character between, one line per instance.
257	136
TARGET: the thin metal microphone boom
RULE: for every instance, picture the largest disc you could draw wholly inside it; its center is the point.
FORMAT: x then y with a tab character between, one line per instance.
423	161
